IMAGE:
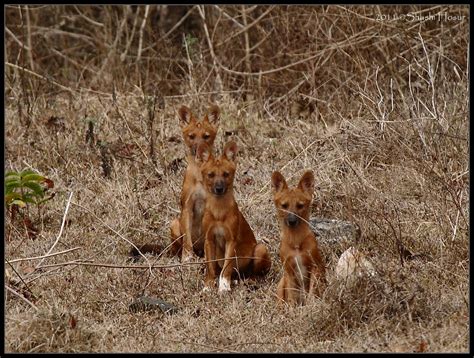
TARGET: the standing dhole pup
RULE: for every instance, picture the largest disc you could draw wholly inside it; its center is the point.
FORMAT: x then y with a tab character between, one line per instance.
228	235
186	232
304	270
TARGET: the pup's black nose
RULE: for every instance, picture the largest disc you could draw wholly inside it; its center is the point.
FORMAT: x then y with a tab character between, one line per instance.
291	220
219	188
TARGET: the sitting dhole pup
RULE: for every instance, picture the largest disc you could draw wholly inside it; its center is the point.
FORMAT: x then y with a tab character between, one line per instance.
187	236
304	270
228	235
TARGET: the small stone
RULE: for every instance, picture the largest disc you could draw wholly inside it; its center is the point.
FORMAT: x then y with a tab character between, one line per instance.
331	232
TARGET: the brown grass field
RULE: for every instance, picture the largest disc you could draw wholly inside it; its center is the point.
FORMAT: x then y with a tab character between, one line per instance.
373	99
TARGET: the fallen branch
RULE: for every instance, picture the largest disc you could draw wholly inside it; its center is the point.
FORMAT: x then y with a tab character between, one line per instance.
141	267
21	297
41	257
21	278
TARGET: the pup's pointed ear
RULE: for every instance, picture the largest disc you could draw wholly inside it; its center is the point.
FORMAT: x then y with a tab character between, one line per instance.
203	153
185	114
278	182
230	151
213	114
307	182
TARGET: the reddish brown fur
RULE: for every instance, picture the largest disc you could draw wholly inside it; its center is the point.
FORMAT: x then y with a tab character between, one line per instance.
304	269
187	236
227	232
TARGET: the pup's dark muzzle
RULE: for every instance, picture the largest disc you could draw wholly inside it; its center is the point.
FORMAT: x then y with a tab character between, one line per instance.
291	220
219	188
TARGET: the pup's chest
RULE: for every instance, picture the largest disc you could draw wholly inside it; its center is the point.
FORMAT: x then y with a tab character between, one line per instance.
199	200
198	192
193	189
221	211
300	265
220	218
296	257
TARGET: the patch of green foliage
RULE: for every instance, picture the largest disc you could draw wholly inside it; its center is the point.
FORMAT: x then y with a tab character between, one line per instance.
26	187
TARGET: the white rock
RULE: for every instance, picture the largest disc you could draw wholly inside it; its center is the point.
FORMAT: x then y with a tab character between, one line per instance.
353	264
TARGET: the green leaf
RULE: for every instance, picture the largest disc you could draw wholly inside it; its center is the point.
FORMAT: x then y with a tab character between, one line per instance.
12	196
18	202
12	185
37	189
10	180
27	171
32	177
10	173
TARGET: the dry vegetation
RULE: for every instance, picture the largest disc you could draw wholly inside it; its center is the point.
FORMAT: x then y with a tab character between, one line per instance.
376	105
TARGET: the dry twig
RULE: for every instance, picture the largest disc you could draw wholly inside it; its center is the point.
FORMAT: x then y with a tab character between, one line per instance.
21	297
60	231
43	256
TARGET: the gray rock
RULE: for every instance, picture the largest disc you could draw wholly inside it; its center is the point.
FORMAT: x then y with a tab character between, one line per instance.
332	232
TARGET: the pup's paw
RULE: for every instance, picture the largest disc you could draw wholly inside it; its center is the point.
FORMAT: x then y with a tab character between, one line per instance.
187	257
224	285
209	284
206	289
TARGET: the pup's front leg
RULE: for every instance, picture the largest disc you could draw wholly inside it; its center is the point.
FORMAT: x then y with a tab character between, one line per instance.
210	257
281	290
288	290
176	237
187	251
230	258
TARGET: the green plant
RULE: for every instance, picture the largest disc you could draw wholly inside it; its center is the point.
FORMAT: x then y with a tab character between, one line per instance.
190	40
26	187
191	44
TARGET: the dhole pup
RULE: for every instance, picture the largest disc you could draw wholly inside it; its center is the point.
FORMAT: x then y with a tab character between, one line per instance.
228	235
186	232
304	270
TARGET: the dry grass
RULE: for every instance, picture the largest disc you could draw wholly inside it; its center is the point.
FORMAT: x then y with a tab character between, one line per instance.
380	114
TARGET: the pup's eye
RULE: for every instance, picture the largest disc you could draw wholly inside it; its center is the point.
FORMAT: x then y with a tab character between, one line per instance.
226	174
300	206
284	206
192	136
206	136
211	175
